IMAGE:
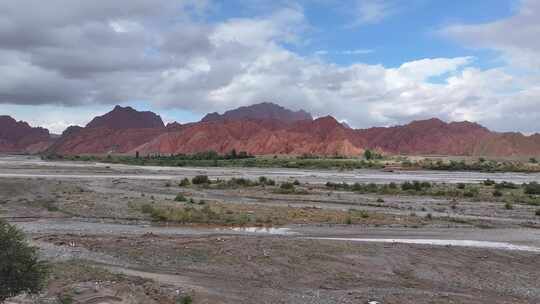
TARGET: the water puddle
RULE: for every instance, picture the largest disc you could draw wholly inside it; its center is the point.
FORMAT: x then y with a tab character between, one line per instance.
263	230
437	242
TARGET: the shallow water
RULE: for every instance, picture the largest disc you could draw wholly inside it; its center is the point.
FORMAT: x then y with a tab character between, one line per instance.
263	230
439	242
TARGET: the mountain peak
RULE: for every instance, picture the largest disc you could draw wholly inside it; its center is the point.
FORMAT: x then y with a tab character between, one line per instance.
127	118
264	110
16	135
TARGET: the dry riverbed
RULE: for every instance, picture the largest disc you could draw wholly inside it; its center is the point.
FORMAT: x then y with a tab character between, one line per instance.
114	237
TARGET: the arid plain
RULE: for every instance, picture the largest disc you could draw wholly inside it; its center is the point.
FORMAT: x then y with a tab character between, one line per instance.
237	242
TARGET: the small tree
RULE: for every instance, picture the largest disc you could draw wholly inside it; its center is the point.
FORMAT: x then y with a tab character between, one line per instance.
368	154
20	269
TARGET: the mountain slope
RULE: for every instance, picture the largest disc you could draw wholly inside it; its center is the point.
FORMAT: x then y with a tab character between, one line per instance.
268	129
18	136
126	118
118	131
260	111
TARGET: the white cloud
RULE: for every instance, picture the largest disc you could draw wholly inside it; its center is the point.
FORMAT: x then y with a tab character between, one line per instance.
515	37
114	57
373	11
345	52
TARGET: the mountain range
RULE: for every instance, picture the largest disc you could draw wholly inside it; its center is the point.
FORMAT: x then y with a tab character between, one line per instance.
261	129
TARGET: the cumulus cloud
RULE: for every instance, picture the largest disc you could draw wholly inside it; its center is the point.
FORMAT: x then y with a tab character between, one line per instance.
80	53
516	37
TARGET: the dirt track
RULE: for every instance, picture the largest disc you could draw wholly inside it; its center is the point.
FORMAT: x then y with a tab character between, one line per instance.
72	214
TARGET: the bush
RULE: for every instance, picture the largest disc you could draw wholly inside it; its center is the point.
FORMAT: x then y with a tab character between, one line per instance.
506	185
241	182
461	186
20	269
473	192
296	182
489	182
184	300
537	212
415	185
425	185
406	186
532	188
287	186
66	299
508	206
180	198
380	200
497	193
369	155
200	179
147	208
184	183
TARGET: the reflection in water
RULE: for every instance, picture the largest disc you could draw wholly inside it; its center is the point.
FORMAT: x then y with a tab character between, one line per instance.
437	242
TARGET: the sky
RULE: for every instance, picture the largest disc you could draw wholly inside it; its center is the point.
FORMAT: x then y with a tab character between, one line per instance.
366	62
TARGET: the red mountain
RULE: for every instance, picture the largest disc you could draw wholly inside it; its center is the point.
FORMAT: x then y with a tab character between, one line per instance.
270	129
118	131
126	118
260	111
18	136
321	136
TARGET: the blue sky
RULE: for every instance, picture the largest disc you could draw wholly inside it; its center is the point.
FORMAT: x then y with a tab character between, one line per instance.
367	62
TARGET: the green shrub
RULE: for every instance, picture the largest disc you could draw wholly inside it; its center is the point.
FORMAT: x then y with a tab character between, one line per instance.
372	187
506	185
180	198
461	186
380	200
472	192
184	182
425	185
296	182
489	182
508	206
537	212
200	179
65	299
147	208
20	269
184	300
415	185
287	186
241	182
532	188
